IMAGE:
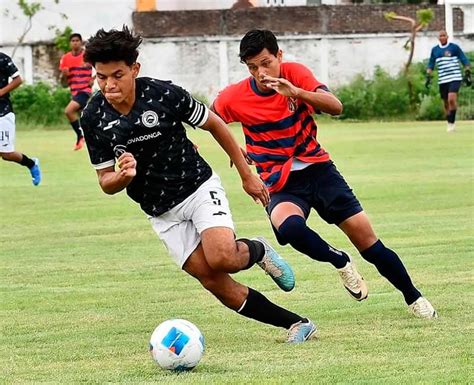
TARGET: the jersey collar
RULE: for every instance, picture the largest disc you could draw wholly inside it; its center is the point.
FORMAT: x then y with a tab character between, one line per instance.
253	84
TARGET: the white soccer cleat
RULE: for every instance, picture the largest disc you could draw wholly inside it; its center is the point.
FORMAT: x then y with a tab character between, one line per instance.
422	308
353	281
301	331
451	127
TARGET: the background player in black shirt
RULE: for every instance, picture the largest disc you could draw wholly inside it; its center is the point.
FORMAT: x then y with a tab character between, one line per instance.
139	123
8	71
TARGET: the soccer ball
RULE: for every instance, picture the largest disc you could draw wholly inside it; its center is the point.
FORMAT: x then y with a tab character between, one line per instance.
177	344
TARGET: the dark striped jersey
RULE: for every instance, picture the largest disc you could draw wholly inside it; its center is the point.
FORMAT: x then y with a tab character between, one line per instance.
447	59
169	168
80	73
279	131
7	70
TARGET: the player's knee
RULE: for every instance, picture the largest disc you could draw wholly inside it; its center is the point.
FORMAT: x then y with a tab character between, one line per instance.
292	229
223	258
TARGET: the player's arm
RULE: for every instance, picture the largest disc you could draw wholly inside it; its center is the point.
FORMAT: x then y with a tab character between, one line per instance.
250	182
431	63
15	83
320	100
113	181
244	153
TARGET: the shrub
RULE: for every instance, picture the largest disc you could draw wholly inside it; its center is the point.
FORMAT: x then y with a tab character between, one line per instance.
401	96
40	104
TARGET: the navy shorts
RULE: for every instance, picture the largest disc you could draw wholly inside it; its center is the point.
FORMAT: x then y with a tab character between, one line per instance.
81	98
321	187
446	88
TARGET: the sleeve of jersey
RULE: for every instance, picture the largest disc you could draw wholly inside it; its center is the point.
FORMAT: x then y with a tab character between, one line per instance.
221	106
62	63
11	69
100	152
188	109
432	61
463	57
302	77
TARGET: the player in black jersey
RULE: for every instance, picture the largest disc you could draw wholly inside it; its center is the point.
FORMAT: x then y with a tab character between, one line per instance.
137	124
8	71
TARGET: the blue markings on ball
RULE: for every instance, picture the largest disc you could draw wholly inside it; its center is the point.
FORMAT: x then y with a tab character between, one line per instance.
175	340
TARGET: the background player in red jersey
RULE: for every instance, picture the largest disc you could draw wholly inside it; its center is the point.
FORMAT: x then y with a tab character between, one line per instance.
275	107
78	76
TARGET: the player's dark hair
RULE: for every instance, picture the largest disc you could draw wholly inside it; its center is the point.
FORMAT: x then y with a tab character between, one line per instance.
255	41
113	45
73	35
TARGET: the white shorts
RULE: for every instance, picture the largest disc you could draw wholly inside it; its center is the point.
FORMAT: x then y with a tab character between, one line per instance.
180	228
7	132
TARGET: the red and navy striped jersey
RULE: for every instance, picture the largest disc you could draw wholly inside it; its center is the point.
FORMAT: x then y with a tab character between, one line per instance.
277	129
80	73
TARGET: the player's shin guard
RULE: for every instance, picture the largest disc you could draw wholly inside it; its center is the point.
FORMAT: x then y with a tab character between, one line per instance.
256	251
259	308
295	231
391	267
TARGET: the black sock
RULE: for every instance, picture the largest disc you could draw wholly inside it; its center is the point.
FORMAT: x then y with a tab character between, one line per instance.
391	267
451	116
256	251
77	129
27	162
259	308
295	231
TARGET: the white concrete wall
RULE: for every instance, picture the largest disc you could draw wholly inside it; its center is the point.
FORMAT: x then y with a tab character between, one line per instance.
83	16
205	65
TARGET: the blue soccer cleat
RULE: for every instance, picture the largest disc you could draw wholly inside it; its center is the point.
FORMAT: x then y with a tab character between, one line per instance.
276	267
301	332
35	172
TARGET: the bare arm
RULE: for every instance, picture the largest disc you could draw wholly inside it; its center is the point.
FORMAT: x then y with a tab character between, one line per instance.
320	100
250	182
15	83
112	181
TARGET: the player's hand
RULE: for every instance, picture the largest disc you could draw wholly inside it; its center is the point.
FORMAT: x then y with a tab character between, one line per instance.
467	77
127	165
65	72
280	85
256	189
428	80
246	157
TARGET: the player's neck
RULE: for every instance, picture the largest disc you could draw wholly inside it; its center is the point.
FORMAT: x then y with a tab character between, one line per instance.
76	52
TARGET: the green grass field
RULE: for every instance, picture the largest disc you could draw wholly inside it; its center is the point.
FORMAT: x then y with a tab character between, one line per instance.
84	280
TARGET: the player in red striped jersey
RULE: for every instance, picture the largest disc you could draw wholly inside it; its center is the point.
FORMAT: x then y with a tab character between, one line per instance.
275	107
78	76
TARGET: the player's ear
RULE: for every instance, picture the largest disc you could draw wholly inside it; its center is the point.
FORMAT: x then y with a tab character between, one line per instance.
135	69
279	55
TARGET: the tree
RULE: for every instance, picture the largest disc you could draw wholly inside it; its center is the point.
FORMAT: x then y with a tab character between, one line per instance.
424	17
30	10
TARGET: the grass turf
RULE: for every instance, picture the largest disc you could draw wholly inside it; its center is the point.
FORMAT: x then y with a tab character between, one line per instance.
84	280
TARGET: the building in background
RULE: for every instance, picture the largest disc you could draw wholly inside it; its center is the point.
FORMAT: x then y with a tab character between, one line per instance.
336	42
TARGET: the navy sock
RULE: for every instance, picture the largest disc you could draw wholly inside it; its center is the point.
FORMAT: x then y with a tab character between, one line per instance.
27	162
391	267
306	241
451	116
259	308
77	128
256	251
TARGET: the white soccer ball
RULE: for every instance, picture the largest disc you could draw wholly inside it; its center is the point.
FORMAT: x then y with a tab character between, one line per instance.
177	344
